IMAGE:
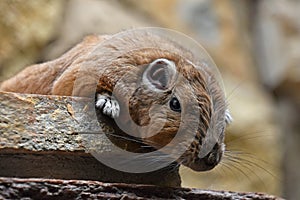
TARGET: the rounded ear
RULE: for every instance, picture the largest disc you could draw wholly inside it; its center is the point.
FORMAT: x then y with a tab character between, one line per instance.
160	74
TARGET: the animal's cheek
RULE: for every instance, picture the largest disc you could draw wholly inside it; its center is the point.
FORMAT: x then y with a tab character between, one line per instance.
162	138
173	134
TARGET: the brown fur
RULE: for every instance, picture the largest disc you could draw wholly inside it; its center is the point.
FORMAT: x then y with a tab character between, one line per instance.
54	77
110	62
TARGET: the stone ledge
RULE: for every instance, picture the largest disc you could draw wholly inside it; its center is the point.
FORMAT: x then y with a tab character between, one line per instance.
39	137
14	188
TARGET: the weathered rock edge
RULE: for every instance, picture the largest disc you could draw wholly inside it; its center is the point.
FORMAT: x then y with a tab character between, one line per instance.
40	137
14	188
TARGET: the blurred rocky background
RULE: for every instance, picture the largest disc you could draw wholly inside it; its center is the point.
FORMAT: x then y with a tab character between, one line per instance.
255	44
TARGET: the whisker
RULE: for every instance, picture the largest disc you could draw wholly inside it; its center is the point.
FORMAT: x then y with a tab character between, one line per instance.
250	136
238	154
127	139
235	166
249	155
217	170
246	166
253	164
230	96
150	144
229	168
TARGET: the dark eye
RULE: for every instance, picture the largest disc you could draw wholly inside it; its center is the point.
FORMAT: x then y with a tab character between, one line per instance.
175	105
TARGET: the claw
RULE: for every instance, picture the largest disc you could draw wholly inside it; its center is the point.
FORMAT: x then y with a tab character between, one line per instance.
108	105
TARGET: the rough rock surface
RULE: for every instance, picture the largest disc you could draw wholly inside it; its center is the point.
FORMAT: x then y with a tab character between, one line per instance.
40	137
14	188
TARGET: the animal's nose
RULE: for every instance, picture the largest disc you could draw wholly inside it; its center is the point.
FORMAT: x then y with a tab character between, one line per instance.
213	158
209	161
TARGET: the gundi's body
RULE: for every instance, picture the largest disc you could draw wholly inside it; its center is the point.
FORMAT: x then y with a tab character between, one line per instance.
165	74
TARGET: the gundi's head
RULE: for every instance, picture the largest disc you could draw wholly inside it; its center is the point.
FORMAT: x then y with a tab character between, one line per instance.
188	100
168	90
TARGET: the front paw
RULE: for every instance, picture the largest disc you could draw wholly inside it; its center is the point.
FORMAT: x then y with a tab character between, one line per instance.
108	105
